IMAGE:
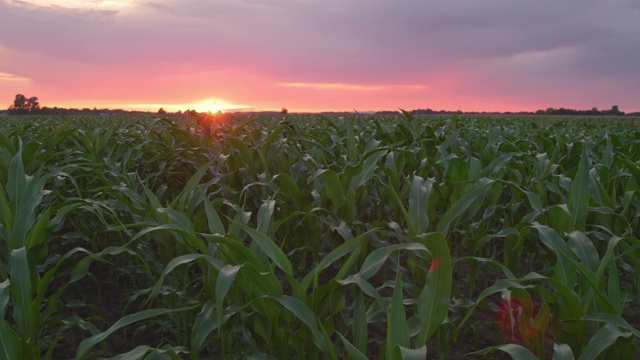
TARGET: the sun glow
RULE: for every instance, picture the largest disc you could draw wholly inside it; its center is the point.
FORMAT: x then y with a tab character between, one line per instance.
214	105
203	106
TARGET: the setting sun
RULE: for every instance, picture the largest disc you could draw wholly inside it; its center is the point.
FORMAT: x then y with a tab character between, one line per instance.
213	106
205	105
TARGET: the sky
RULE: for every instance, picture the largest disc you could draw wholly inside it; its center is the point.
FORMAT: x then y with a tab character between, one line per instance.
322	55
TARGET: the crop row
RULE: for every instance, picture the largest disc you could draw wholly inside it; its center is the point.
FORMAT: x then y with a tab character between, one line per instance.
308	236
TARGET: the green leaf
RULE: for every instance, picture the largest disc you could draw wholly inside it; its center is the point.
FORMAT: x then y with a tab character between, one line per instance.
87	344
226	276
608	261
203	325
584	250
472	198
288	186
359	324
182	260
613	288
333	256
413	354
517	352
434	299
213	220
541	321
562	352
246	156
398	327
352	151
10	345
366	288
565	270
265	213
38	233
178	218
578	201
333	188
189	236
369	165
5	295
16	180
20	275
164	353
612	319
419	203
353	352
377	257
308	317
270	248
601	340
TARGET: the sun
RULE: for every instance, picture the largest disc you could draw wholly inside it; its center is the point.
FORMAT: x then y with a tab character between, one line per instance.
214	106
211	105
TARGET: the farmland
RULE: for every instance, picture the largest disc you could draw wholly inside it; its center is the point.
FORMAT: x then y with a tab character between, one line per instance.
319	237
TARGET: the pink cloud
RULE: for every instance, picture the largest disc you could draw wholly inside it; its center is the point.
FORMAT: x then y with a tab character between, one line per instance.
369	55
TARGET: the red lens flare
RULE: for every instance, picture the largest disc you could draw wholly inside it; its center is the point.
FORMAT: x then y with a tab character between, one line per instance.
514	323
435	264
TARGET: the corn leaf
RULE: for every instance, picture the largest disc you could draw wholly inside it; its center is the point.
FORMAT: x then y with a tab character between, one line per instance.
434	299
269	247
87	344
562	352
601	340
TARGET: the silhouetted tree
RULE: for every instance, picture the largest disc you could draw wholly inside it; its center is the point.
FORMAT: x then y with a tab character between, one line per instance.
20	101
33	104
614	110
161	111
22	105
284	111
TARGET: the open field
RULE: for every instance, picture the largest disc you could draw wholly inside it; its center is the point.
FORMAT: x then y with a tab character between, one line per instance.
316	237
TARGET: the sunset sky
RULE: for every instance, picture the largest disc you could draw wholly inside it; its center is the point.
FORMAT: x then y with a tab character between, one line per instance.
322	55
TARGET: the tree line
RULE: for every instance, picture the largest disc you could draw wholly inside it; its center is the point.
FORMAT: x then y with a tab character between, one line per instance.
31	106
549	111
594	111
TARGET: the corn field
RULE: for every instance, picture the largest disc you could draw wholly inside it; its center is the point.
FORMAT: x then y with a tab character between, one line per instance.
319	237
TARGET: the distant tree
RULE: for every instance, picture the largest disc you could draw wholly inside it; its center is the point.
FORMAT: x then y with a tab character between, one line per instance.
20	101
161	111
19	106
284	111
22	105
540	112
615	111
33	104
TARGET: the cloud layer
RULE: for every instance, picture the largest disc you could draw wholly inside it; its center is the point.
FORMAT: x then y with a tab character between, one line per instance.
325	54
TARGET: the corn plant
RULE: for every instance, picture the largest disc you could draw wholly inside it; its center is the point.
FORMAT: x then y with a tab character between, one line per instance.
318	236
